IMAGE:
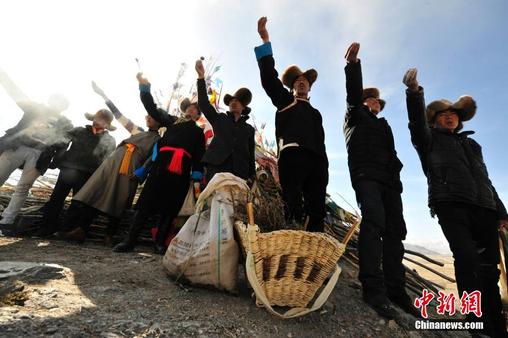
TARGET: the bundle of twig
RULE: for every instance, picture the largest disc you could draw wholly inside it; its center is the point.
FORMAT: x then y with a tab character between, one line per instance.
269	207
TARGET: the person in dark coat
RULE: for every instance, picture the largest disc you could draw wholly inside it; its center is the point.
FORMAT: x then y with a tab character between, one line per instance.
177	159
88	146
375	175
111	188
303	164
232	148
41	126
461	195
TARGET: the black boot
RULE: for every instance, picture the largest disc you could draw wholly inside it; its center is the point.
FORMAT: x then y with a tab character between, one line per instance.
45	230
163	230
404	302
128	244
381	305
125	246
160	249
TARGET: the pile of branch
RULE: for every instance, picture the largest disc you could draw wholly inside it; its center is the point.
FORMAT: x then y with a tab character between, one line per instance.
32	213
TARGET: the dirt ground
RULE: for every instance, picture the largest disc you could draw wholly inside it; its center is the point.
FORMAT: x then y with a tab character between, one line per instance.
94	292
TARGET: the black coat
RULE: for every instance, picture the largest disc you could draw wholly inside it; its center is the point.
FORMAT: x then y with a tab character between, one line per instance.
186	135
452	162
232	138
369	139
86	152
296	121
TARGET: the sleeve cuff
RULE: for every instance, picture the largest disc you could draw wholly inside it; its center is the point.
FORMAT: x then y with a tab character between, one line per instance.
144	88
263	50
196	176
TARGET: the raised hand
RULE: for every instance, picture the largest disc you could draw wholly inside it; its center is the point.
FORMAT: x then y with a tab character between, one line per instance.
98	90
142	79
263	32
352	52
410	79
200	69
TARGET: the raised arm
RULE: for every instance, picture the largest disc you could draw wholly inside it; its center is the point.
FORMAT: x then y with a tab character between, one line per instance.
204	104
158	115
280	96
130	126
12	88
354	82
415	101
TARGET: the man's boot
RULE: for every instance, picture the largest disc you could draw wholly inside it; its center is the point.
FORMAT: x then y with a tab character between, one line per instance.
128	244
381	305
76	235
403	301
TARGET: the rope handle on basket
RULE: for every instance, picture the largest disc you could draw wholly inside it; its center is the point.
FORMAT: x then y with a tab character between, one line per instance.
294	312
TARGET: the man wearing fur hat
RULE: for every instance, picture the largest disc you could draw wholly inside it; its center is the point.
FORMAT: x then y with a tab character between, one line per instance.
111	188
303	164
461	195
176	160
89	146
41	126
232	148
375	176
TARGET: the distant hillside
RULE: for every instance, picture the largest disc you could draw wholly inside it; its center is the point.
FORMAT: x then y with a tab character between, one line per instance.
420	249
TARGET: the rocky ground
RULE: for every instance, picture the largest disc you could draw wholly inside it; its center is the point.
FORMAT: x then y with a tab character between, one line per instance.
89	291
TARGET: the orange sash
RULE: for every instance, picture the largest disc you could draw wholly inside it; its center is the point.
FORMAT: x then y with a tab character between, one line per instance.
126	160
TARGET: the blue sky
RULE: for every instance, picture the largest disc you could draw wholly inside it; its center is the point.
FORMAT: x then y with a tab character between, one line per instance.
458	46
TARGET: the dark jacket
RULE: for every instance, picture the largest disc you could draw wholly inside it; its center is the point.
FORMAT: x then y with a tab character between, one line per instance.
186	135
86	152
39	128
296	121
452	162
231	138
369	139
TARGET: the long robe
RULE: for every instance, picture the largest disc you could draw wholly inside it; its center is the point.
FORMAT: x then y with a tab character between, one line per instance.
107	190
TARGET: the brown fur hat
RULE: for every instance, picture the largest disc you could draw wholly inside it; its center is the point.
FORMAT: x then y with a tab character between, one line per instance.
243	95
465	106
292	72
374	93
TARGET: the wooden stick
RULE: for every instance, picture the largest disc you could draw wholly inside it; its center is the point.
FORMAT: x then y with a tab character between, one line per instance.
430	269
428	259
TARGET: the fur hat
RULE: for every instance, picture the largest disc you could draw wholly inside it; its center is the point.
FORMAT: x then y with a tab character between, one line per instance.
465	108
292	72
243	95
374	93
104	115
186	103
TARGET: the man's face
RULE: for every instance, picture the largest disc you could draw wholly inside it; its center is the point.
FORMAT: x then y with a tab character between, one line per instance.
373	104
301	86
151	123
192	111
447	119
235	106
98	125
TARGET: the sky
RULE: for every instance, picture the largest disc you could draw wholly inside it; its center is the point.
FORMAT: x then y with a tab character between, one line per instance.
458	46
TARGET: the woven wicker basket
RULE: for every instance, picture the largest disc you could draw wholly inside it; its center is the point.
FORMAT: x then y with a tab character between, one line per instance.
288	267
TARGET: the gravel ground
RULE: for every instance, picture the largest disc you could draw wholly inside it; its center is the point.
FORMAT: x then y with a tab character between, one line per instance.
89	291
